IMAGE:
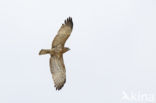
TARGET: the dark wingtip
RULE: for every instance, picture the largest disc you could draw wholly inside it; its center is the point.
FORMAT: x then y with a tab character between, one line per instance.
69	21
59	87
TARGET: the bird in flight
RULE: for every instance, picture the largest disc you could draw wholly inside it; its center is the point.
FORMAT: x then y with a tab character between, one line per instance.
56	52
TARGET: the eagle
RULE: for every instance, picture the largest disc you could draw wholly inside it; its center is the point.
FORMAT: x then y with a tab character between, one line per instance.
56	52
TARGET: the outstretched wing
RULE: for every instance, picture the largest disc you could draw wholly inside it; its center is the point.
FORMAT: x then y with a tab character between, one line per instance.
58	71
63	33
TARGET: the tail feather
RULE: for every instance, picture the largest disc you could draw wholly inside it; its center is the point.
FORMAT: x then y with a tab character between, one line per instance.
44	51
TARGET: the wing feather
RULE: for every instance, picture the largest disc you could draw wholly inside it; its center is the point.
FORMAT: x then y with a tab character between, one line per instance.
58	71
63	33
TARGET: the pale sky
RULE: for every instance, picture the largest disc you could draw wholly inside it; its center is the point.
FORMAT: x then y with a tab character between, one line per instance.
113	50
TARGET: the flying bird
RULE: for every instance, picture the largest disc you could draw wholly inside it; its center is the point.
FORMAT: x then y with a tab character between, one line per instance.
56	52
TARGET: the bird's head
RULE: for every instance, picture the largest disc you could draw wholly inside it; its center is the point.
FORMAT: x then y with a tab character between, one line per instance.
65	49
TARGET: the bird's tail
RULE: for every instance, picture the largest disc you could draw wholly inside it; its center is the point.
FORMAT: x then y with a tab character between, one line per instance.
44	51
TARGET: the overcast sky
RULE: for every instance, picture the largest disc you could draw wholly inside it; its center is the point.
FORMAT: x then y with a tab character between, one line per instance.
113	50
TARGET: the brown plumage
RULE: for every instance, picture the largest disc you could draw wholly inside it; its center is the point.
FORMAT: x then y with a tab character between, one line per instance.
57	66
